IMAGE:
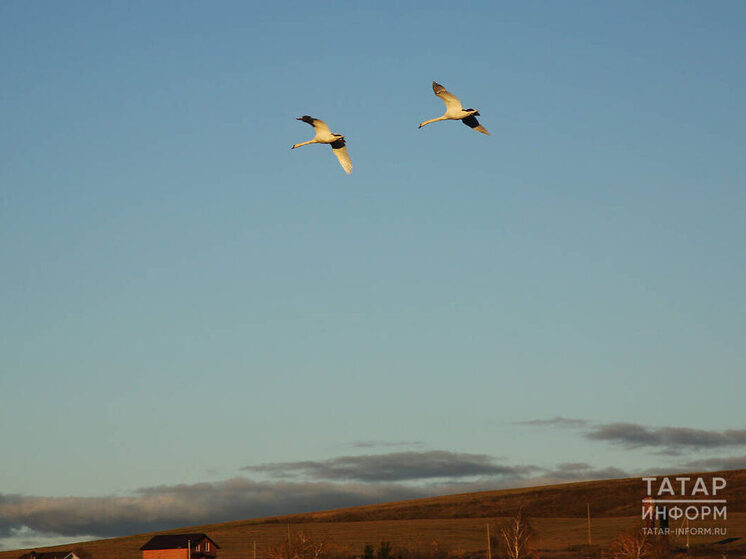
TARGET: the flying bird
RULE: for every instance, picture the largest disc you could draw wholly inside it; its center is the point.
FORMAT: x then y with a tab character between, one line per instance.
455	111
326	136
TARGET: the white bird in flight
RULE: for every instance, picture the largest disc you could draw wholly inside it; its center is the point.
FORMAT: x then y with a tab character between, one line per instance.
325	136
455	111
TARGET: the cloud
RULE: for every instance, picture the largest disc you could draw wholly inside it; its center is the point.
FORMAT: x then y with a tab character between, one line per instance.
581	471
669	441
394	466
557	421
714	464
561	473
386	444
40	519
359	480
171	506
25	538
633	435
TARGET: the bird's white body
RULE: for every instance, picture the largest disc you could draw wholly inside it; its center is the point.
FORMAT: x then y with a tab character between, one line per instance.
325	136
455	110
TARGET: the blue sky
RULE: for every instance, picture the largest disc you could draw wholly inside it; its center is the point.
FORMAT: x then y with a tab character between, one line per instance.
183	296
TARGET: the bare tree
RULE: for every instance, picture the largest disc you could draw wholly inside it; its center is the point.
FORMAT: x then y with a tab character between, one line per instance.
632	544
302	546
310	548
516	537
638	543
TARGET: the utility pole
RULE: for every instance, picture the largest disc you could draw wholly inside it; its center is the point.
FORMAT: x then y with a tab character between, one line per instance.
489	543
589	524
254	549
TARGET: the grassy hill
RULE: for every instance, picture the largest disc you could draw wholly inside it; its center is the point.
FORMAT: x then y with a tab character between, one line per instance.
457	523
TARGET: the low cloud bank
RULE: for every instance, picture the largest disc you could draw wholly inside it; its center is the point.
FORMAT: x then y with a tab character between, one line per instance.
164	507
665	440
633	435
394	466
335	483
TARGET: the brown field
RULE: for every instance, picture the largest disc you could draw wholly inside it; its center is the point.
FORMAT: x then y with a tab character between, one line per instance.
458	523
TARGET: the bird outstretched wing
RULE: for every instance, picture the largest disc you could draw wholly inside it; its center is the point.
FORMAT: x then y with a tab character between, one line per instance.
340	150
452	102
318	125
472	122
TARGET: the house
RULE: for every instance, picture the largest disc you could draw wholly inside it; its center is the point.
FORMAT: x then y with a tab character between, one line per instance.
180	546
61	554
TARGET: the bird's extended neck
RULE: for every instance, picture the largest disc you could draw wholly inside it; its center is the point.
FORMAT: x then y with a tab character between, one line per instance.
432	120
314	141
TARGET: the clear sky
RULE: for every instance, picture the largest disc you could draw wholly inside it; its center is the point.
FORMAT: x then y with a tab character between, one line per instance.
183	297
